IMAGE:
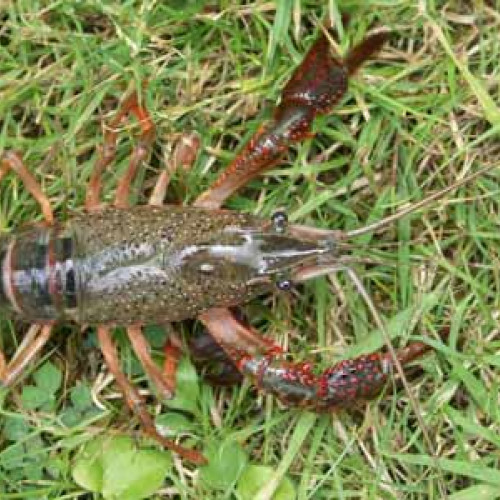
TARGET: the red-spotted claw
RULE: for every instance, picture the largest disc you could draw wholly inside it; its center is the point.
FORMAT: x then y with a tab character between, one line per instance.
296	384
315	87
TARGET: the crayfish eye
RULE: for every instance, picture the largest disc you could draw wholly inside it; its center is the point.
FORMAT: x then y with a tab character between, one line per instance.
284	285
280	221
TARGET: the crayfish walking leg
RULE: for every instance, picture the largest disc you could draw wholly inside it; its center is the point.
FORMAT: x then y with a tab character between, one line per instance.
32	344
135	401
108	151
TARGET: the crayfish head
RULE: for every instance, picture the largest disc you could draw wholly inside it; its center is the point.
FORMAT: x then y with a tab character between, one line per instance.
261	255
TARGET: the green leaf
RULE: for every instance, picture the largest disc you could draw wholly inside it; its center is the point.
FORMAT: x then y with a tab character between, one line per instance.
57	467
187	389
33	397
132	474
13	457
475	387
15	429
88	469
48	378
34	471
81	397
255	477
173	423
115	468
71	417
82	406
226	461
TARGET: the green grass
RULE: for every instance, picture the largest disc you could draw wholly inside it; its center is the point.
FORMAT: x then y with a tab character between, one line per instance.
421	116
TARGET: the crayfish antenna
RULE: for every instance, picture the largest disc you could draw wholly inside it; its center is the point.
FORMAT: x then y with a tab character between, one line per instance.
421	204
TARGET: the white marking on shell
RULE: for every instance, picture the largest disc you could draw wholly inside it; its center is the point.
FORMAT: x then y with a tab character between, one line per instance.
206	268
8	285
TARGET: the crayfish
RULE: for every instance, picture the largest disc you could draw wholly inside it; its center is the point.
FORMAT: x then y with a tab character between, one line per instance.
129	266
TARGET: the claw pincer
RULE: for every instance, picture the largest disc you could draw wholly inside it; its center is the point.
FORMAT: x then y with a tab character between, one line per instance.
296	384
317	84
